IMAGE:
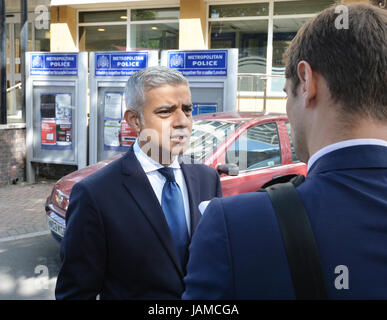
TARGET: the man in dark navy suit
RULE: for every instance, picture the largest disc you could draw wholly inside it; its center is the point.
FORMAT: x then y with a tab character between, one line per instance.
336	83
128	226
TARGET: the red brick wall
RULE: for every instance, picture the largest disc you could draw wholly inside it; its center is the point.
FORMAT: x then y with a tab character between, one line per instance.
12	153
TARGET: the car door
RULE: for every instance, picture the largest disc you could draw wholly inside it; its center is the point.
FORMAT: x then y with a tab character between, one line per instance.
257	152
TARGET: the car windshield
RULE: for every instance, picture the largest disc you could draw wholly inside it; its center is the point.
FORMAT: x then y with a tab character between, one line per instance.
207	135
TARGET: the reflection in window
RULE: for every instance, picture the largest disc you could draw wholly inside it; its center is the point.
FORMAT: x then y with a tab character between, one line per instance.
103	16
250	37
155	14
163	36
207	135
301	7
258	147
284	30
103	38
240	10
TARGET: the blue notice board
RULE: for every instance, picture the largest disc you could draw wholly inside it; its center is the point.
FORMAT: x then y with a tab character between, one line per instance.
199	108
207	63
120	64
54	64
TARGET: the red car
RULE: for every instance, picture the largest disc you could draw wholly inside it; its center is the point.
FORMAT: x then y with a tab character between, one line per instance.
248	149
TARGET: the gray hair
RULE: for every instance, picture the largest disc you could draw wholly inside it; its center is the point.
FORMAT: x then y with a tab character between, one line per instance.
146	79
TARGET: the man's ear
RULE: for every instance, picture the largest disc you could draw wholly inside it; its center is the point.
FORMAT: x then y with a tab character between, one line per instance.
133	120
308	82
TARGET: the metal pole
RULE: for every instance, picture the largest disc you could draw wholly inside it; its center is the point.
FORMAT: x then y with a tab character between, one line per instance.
3	65
23	50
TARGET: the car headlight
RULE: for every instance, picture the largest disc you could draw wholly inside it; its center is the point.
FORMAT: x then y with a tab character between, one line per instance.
60	199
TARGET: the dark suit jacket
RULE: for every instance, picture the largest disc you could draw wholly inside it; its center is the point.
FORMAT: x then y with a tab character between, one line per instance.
237	251
117	241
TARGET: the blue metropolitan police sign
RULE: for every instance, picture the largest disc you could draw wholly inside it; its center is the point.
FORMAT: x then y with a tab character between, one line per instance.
54	64
207	63
120	64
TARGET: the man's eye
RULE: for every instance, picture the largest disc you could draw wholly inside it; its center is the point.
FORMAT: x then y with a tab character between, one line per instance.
164	112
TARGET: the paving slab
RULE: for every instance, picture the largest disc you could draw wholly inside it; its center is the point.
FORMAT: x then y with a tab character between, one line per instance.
22	208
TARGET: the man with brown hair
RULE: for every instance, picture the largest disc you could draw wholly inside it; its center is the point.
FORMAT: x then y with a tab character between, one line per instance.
336	82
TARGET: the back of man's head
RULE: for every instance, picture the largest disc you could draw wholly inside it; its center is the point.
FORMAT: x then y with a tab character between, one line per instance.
347	45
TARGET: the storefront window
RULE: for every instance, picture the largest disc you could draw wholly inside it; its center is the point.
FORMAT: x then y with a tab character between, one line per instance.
102	38
239	10
284	30
301	7
103	16
154	36
148	29
42	40
250	37
155	14
250	34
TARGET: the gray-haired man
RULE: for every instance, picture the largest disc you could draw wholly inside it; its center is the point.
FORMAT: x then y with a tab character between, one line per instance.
130	223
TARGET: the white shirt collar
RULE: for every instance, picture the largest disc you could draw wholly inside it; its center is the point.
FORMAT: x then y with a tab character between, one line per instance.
147	163
343	144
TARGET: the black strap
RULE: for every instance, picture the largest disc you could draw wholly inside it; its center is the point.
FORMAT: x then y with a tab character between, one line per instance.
299	242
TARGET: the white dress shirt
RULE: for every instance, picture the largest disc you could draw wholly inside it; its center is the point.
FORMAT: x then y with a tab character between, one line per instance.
344	144
157	180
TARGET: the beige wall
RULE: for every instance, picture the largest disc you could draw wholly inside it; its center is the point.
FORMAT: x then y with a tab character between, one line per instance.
63	29
192	25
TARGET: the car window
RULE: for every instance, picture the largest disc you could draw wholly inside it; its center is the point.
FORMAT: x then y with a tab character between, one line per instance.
207	135
288	128
257	147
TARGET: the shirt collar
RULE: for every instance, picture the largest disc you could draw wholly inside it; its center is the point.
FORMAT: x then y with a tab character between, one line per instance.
343	144
147	163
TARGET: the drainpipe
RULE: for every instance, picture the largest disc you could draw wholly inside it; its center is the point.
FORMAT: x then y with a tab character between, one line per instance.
3	66
23	50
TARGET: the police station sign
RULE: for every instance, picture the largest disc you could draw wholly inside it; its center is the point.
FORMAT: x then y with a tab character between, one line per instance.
199	63
54	64
120	64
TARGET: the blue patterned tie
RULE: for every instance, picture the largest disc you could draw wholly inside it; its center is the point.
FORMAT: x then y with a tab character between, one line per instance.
173	207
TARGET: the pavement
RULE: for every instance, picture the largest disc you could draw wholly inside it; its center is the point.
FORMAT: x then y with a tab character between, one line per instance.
22	209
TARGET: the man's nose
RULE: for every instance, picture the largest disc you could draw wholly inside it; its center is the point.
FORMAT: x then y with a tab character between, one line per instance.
181	119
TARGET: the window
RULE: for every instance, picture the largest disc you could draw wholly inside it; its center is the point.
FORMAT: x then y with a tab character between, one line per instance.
258	147
148	29
102	30
154	29
301	7
246	27
288	128
206	136
240	10
284	30
249	35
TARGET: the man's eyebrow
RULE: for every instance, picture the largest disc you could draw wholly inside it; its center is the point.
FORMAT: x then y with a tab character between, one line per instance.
188	105
164	107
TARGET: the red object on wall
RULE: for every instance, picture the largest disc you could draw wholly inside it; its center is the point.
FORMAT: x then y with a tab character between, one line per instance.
48	131
128	135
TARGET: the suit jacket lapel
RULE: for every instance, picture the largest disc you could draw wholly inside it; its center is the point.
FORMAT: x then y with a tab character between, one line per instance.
137	184
193	188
